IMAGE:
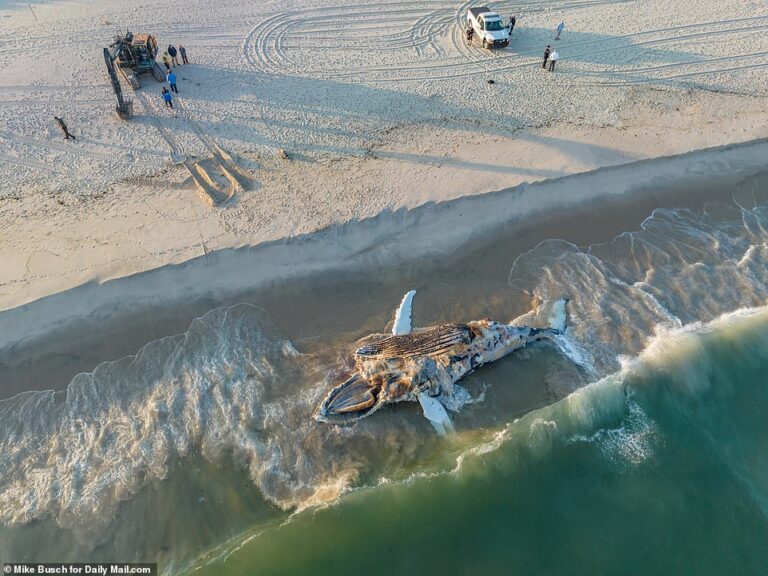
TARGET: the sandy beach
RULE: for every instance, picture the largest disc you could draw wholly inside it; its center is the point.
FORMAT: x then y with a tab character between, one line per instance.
378	106
183	293
299	279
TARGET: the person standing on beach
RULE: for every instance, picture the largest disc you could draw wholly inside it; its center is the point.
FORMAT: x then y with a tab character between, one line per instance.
183	52
172	52
168	97
559	29
167	61
63	126
512	22
172	81
547	52
553	60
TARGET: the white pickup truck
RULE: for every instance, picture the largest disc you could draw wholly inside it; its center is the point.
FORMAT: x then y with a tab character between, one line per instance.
488	27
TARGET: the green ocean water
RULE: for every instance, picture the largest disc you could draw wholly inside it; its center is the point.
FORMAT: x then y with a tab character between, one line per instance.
640	448
661	468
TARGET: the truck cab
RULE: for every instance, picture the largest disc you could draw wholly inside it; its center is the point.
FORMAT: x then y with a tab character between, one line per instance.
489	27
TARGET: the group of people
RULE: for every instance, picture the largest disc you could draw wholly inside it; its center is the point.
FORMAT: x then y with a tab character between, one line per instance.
170	56
167	96
170	59
550	56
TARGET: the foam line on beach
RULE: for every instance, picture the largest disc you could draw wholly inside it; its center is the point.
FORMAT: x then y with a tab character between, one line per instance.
387	241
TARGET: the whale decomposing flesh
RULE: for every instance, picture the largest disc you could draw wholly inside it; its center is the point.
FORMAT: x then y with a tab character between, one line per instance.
424	364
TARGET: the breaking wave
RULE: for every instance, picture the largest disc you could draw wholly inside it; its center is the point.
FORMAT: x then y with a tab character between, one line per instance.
672	443
236	394
230	390
681	267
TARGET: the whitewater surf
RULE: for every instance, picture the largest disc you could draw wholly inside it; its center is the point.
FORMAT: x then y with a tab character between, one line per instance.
200	450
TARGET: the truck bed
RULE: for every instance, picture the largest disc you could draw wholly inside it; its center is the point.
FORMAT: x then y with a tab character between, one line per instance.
477	11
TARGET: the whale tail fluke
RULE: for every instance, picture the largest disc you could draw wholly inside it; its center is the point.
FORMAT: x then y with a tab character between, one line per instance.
558	323
558	316
573	351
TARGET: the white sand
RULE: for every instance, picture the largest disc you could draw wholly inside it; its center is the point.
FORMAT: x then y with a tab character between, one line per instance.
395	239
379	105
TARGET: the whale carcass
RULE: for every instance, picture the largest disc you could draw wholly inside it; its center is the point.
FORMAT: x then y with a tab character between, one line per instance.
425	364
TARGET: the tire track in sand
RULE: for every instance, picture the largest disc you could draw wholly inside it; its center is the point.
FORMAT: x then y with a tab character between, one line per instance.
377	30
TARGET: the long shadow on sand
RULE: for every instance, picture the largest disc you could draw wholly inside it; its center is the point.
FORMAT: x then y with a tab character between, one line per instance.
312	116
346	111
96	322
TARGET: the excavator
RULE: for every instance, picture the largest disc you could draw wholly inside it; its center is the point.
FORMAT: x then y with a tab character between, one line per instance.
132	55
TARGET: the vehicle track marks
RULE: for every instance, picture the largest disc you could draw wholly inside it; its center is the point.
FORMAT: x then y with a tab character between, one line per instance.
381	32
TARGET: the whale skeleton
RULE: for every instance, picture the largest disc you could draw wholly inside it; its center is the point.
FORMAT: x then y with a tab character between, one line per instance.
424	365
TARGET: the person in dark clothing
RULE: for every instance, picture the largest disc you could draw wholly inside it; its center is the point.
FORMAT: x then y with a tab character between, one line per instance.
512	22
167	97
183	52
470	33
547	52
172	53
63	126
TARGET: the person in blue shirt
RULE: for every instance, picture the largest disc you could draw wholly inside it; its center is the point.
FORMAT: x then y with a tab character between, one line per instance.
559	29
172	81
167	97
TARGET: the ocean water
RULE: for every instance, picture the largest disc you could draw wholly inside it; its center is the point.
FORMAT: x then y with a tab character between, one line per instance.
659	469
200	451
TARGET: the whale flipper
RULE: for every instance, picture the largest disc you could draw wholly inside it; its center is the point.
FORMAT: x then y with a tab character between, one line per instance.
433	410
403	315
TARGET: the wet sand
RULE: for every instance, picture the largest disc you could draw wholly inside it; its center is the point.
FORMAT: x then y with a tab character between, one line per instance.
464	247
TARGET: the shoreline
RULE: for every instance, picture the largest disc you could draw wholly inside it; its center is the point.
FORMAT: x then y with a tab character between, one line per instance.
181	287
56	241
405	118
109	320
